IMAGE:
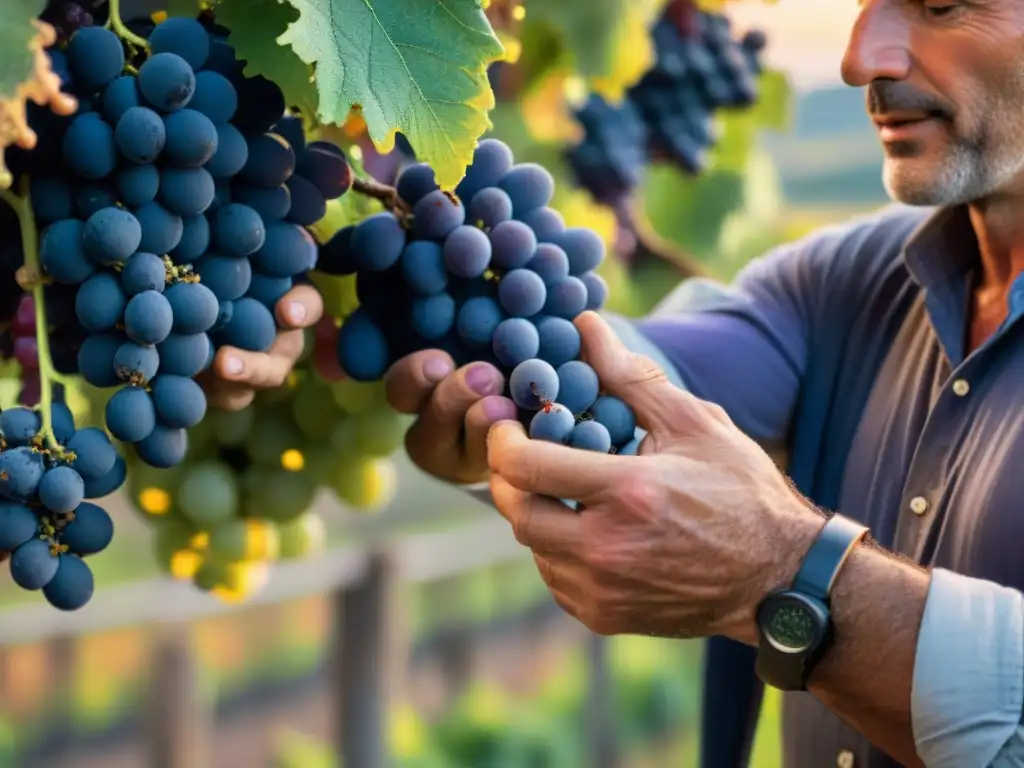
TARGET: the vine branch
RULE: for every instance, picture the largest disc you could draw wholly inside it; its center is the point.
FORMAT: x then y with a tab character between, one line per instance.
115	23
30	275
650	246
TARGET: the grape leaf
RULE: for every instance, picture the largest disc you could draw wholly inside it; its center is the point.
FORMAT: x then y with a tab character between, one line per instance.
25	74
255	28
415	66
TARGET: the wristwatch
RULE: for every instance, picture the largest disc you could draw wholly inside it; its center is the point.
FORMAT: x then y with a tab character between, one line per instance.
795	624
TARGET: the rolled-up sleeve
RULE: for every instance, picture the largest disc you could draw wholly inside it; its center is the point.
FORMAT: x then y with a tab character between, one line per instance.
968	689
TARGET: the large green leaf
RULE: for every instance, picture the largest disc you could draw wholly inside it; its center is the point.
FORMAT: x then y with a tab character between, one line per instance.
17	33
255	28
415	66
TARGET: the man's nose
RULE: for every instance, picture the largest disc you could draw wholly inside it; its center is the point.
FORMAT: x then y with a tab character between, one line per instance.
879	44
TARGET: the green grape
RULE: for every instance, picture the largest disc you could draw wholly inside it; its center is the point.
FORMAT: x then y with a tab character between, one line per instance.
208	494
244	539
379	433
272	435
314	409
177	546
152	490
339	293
232	428
279	495
355	397
302	536
366	484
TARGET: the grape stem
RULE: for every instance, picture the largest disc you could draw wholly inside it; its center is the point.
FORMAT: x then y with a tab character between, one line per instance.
386	194
650	246
22	206
115	23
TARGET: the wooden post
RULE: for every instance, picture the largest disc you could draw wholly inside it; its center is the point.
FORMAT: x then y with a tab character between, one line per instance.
602	741
179	714
362	667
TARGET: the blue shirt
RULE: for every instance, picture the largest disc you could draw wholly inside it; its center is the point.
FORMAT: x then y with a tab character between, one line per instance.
848	349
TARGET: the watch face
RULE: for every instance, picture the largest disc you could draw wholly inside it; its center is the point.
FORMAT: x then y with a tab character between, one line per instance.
791	626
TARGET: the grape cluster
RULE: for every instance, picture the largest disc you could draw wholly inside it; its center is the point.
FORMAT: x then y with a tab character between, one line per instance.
45	521
175	209
492	274
667	115
243	496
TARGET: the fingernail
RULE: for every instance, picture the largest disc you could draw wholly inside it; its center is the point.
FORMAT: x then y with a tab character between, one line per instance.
483	379
499	409
296	312
233	366
436	368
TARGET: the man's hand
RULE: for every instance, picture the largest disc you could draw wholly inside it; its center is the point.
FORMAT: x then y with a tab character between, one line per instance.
236	375
682	540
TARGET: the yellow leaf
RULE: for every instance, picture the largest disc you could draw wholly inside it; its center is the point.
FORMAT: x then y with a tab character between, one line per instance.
546	112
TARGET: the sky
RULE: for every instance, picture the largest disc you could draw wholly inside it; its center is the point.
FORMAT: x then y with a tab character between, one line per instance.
806	37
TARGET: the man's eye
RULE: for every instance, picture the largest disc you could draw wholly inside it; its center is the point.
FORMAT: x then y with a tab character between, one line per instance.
941	9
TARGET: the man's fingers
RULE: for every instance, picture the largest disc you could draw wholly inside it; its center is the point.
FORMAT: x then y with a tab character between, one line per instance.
546	526
261	370
538	466
410	381
480	417
634	378
229	396
301	307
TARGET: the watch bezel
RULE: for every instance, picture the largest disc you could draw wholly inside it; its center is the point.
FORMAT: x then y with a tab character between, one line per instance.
819	613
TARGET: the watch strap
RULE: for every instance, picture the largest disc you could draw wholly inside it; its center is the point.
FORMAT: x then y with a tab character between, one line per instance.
827	555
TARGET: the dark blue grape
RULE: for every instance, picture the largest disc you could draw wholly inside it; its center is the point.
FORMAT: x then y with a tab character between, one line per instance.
251	327
435	216
183	354
597	290
186	192
225	311
477	319
287	250
308	205
467	252
423	267
179	401
585	249
238	230
616	416
513	245
167	81
143	272
591	435
432	316
515	340
111	235
559	340
546	223
161	229
550	262
72	586
19	425
529	186
228	277
268	290
578	386
119	96
94	196
260	104
148	318
290	128
231	154
566	298
533	383
61	490
33	565
95	57
328	170
100	302
165	447
107	484
362	347
96	358
182	36
140	135
136	363
377	242
192	139
130	415
61	252
194	307
415	182
492	159
271	203
271	161
21	470
52	198
91	531
195	239
553	423
137	184
522	293
88	148
62	421
18	524
489	207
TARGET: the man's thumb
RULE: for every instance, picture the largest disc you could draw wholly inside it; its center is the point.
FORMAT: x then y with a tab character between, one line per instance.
633	378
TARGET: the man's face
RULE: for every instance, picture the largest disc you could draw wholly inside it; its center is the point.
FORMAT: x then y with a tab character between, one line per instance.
945	87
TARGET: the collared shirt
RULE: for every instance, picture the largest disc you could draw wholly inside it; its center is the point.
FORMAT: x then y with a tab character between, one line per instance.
848	348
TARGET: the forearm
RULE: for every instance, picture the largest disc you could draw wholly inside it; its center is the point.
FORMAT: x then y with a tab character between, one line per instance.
867	677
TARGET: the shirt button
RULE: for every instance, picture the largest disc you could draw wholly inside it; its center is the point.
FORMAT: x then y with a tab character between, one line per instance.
844	759
919	505
961	387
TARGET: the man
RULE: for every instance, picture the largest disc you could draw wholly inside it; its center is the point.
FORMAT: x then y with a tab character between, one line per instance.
884	356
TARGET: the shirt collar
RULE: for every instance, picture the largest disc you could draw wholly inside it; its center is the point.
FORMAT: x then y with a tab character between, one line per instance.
942	248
